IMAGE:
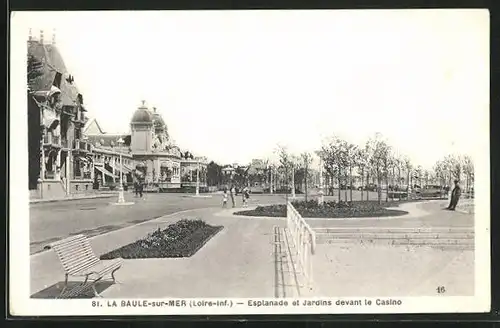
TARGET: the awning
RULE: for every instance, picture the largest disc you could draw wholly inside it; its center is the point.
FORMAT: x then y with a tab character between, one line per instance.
117	168
105	172
128	168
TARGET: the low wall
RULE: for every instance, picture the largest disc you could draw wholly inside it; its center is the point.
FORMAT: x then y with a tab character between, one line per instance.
50	189
80	186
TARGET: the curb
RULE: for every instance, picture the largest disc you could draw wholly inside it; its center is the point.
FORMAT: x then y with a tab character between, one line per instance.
39	201
153	220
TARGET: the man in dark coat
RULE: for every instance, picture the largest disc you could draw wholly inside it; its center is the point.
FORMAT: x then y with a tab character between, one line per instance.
232	191
455	196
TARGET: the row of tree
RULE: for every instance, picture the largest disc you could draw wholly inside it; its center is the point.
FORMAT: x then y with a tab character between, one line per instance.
376	163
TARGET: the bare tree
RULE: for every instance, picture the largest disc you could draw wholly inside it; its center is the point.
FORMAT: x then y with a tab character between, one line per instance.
333	159
362	164
307	160
351	151
379	152
468	169
285	162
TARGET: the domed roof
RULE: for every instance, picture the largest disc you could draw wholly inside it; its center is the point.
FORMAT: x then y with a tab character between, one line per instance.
142	115
158	120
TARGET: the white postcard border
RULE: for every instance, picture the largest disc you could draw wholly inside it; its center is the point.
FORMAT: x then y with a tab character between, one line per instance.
19	256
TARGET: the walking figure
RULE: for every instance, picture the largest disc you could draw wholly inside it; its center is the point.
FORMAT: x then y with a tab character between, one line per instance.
231	193
138	183
224	199
455	196
245	196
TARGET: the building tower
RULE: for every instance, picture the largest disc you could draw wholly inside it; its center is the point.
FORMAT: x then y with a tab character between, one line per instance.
141	126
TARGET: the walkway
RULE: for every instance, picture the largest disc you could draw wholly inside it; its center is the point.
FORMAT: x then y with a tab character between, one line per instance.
240	262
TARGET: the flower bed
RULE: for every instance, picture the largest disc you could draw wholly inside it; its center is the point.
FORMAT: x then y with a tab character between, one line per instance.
331	209
181	239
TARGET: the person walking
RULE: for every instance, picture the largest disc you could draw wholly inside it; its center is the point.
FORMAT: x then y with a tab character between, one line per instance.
224	199
246	196
232	191
455	196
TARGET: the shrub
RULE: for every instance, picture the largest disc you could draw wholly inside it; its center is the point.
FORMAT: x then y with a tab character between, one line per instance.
329	209
181	239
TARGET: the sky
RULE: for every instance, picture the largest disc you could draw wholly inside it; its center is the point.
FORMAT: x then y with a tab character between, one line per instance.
231	85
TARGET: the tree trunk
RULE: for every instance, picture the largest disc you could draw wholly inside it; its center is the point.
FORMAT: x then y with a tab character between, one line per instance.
362	183
368	182
305	182
387	187
379	189
350	182
339	180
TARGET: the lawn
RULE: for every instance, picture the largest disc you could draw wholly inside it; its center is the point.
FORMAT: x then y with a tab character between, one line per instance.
181	239
330	209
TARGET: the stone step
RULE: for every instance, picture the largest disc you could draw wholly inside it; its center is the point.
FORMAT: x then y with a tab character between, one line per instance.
372	235
355	230
410	241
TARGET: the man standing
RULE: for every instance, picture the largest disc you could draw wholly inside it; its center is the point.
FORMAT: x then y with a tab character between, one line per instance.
455	196
232	191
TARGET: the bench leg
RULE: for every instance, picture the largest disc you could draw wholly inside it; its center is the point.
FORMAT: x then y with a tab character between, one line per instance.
65	285
96	294
113	275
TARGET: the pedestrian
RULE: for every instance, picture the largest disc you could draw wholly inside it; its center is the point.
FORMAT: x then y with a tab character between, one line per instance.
136	182
246	196
232	191
455	196
224	199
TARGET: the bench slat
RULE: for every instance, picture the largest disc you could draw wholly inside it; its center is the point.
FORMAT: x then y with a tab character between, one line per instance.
74	245
77	270
68	241
71	262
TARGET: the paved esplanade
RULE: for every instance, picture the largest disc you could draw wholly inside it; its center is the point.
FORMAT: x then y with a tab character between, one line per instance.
56	220
239	260
53	221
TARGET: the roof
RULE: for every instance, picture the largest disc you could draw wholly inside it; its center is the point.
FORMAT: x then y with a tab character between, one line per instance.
108	140
92	127
142	115
53	64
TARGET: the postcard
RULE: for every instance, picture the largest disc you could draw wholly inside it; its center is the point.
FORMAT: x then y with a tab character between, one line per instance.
249	162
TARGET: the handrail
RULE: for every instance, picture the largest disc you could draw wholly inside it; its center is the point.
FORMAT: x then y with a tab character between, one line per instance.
304	239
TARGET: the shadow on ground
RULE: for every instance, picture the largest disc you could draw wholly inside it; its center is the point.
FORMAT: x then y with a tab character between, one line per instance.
54	291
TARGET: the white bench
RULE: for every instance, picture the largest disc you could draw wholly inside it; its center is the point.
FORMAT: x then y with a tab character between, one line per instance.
78	260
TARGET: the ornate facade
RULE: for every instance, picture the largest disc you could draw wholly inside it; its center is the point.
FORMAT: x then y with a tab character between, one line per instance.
70	154
59	158
149	148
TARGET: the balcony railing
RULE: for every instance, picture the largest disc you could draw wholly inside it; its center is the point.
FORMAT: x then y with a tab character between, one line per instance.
81	145
50	139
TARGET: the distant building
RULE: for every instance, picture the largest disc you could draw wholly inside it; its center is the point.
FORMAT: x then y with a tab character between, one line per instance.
58	157
68	153
147	147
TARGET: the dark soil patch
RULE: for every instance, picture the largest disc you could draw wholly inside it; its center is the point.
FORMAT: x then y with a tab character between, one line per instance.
181	239
330	209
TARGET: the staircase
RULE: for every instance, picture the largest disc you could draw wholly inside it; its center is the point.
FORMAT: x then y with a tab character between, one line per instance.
459	238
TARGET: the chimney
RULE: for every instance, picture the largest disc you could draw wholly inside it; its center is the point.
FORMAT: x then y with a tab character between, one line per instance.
41	36
53	36
30	37
154	109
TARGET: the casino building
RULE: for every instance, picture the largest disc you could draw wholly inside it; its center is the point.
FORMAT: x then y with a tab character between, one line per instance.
69	154
147	147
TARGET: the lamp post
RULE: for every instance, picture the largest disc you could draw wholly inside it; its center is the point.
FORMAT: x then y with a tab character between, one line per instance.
320	193
121	198
198	178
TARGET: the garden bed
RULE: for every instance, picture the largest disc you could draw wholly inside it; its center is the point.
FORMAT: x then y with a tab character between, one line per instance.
181	239
329	209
